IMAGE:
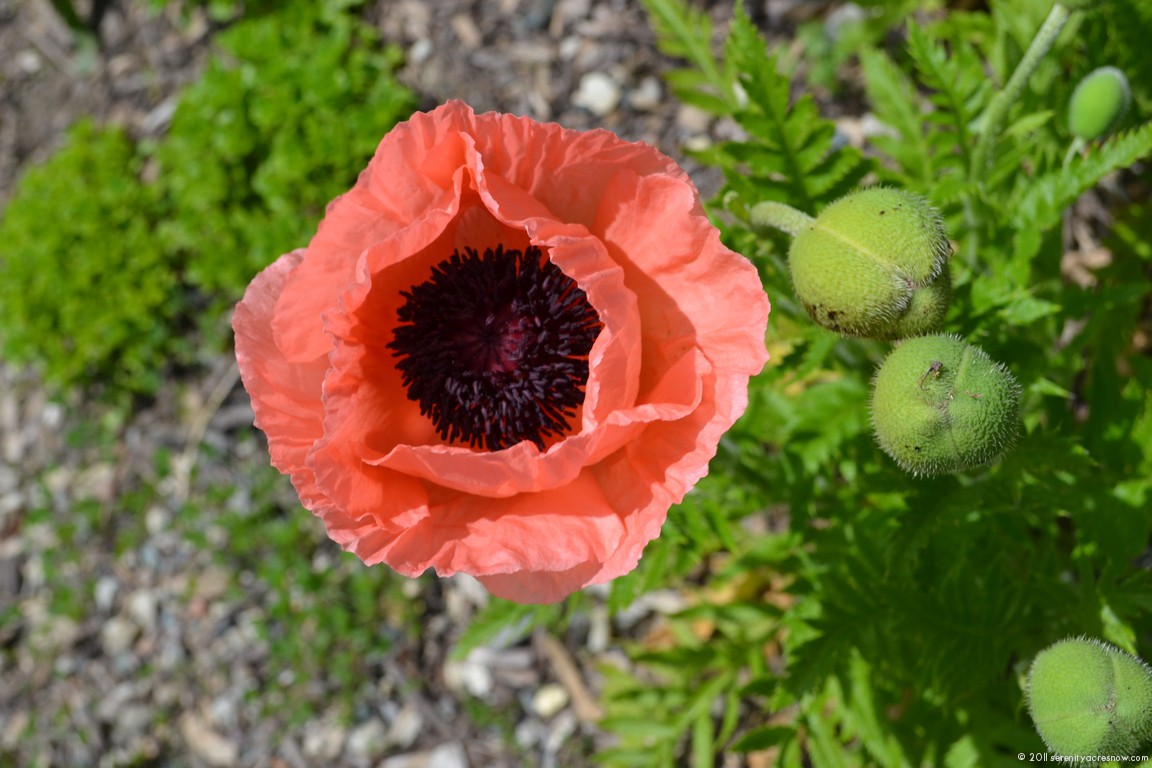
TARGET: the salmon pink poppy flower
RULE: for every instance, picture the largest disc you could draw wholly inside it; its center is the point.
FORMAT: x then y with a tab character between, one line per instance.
507	351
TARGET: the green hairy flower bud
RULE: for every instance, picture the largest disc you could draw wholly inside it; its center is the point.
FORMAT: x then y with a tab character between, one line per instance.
1099	103
1090	698
940	405
874	264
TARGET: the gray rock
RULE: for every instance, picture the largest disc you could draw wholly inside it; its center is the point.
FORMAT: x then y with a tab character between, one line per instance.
598	93
406	727
646	96
368	740
207	744
323	740
104	593
549	699
449	755
134	720
143	607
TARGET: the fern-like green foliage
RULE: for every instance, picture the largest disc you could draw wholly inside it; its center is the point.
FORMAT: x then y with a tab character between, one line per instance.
895	613
1043	200
687	32
790	149
86	291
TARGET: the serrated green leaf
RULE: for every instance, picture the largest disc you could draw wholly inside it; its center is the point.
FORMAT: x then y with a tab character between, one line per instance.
1043	202
1025	308
1026	124
763	738
894	99
683	31
504	620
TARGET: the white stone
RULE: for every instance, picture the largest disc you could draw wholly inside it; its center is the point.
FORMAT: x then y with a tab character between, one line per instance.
223	711
323	741
599	629
157	519
530	732
96	481
420	50
104	593
133	720
598	93
449	755
212	583
471	588
207	744
29	62
143	607
560	731
569	47
646	96
469	676
117	635
368	740
406	727
693	119
550	699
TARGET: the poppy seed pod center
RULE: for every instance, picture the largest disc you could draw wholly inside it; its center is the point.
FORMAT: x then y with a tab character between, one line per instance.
494	347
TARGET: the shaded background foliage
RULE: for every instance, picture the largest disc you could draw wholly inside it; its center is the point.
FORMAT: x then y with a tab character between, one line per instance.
288	111
835	611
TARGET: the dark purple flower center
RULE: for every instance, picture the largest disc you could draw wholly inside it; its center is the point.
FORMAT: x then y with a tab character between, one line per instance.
495	348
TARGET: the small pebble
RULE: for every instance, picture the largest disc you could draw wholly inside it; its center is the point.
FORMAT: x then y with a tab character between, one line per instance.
323	741
450	755
469	676
598	93
207	744
406	727
29	62
157	519
530	732
550	699
117	635
646	96
560	730
693	119
368	740
134	720
142	607
104	593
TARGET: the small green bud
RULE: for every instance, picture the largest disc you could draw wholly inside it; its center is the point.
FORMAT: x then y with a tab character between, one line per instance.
874	264
1099	103
1090	698
940	405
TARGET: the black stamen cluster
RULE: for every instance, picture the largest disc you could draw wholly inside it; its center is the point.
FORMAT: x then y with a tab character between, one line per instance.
495	348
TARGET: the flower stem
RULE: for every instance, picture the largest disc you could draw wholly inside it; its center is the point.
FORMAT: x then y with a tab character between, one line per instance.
779	216
1077	145
998	110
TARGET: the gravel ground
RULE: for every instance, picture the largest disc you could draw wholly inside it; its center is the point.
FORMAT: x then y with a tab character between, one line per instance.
123	641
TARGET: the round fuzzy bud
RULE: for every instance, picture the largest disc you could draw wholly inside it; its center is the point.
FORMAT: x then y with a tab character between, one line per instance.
874	264
1090	698
941	405
1098	103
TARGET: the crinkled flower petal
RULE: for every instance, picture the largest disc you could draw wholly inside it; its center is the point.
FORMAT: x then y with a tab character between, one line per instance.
680	329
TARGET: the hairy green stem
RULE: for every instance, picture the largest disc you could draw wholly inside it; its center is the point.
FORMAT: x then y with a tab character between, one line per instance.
779	216
1077	145
998	110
